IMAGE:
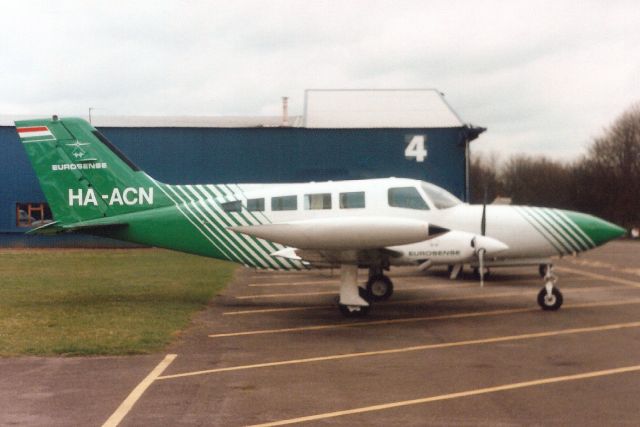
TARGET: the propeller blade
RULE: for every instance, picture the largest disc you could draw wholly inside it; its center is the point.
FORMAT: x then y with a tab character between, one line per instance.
481	265
483	220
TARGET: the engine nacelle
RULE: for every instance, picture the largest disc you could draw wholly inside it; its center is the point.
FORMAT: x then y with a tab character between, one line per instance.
454	247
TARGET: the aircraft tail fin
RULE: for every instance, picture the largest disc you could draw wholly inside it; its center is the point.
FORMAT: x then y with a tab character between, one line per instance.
83	176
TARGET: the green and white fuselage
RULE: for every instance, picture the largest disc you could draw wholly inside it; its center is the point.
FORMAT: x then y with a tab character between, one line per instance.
530	233
93	188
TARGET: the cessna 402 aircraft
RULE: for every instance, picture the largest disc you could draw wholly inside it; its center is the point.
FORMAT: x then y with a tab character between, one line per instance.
93	188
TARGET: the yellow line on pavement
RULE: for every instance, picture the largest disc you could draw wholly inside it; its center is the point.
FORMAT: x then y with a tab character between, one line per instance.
491	340
600	276
335	292
409	301
467	393
133	397
386	304
276	309
306	283
603	265
417	319
292	294
290	275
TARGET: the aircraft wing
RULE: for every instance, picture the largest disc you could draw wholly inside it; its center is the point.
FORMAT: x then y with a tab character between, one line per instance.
348	233
334	257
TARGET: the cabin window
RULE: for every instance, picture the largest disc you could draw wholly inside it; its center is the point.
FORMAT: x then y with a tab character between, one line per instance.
284	203
352	200
406	197
32	214
255	205
317	201
235	206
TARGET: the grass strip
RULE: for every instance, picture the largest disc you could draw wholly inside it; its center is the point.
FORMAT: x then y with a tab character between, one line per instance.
101	302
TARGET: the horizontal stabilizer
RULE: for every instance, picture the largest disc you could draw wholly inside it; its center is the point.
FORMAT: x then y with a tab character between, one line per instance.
344	233
287	253
89	227
47	229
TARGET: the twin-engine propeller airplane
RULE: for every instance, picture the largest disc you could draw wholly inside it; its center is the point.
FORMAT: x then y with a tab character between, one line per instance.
93	188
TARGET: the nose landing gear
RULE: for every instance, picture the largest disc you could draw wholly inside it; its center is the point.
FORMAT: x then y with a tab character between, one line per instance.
550	297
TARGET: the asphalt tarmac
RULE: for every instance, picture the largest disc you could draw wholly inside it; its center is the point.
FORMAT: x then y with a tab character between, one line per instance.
274	350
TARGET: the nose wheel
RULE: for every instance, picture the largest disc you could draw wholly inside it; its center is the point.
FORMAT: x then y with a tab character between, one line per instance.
550	297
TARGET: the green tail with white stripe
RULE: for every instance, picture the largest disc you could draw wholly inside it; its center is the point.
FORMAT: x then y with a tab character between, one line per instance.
92	188
83	176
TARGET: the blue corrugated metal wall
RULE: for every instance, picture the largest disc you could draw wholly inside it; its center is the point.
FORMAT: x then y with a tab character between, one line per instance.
18	182
230	155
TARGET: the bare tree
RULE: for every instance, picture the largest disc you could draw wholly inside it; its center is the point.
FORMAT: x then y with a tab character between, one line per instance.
605	182
538	181
610	173
483	177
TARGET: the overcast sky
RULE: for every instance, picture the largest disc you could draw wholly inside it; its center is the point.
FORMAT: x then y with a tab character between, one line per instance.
543	77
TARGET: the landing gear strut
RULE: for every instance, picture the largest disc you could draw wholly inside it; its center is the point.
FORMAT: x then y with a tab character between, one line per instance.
351	303
543	269
549	297
379	286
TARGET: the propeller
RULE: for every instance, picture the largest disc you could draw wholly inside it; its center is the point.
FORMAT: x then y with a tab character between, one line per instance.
483	228
483	244
483	220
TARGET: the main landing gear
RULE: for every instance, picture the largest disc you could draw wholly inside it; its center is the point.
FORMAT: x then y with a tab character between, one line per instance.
354	300
351	303
379	287
549	297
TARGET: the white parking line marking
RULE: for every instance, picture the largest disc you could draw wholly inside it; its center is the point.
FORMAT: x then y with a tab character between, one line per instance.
133	397
492	340
418	319
505	387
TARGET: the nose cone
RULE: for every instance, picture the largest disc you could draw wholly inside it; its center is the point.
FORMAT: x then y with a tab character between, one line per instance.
598	230
490	245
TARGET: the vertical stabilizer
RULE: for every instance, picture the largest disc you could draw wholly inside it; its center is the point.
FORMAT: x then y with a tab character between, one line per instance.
82	175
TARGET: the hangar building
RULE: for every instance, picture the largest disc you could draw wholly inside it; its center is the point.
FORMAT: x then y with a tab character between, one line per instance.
342	134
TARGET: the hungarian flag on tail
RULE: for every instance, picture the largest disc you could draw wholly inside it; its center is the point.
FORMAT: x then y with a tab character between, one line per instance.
35	133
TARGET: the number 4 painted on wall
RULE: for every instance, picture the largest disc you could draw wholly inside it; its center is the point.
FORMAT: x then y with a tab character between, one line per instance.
415	148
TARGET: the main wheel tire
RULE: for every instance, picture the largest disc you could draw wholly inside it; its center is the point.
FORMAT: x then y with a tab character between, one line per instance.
550	302
352	311
379	288
542	269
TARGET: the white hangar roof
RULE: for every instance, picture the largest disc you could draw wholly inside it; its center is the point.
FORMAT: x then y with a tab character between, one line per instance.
376	108
174	121
323	109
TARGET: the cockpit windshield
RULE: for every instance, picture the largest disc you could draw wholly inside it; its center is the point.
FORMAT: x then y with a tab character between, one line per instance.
440	197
